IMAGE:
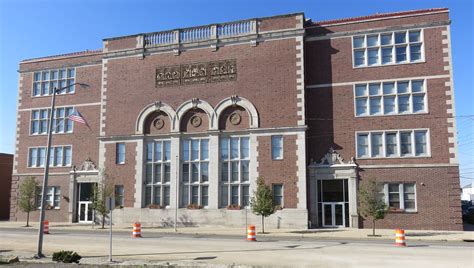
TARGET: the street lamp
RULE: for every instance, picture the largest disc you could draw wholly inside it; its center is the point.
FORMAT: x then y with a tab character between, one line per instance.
46	167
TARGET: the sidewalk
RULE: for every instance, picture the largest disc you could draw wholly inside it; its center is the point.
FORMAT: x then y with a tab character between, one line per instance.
333	233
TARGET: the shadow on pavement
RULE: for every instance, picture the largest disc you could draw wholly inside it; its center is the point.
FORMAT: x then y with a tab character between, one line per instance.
217	251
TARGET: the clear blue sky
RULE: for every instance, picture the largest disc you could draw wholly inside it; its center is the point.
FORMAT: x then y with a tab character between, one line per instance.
35	28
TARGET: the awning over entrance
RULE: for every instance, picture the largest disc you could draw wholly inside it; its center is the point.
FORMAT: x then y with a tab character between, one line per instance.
333	192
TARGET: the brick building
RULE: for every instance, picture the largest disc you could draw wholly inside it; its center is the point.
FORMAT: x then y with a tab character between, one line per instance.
189	118
6	166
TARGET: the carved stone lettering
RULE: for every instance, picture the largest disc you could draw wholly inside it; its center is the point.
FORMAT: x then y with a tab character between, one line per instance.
196	73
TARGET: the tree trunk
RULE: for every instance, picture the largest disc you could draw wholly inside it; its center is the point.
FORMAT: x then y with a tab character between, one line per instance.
263	225
373	228
103	221
27	219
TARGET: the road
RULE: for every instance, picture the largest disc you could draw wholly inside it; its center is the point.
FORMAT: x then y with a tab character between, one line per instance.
271	252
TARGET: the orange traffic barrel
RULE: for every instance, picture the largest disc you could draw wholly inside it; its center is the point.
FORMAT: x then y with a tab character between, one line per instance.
137	230
46	227
251	235
400	238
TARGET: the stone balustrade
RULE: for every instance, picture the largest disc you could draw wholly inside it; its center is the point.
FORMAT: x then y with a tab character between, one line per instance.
201	33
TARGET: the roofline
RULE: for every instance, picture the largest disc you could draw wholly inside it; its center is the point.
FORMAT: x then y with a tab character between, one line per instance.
204	25
83	53
375	17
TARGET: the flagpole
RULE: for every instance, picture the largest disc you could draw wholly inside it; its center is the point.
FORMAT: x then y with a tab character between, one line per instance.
39	253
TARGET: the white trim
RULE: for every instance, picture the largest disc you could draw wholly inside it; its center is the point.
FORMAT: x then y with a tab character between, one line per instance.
201	104
434	165
242	102
157	107
376	19
301	170
314	86
450	92
62	106
397	131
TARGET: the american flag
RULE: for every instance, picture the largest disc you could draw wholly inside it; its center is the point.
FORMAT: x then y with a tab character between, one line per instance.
77	117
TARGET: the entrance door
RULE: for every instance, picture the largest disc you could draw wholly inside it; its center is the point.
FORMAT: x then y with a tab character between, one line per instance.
333	214
84	206
86	213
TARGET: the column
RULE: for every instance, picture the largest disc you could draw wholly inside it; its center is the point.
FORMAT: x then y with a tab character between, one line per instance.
353	216
139	174
214	171
175	172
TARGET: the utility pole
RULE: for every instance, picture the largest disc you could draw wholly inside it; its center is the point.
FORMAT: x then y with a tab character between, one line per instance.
39	253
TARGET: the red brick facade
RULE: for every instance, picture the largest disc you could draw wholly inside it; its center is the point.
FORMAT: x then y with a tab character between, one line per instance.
300	90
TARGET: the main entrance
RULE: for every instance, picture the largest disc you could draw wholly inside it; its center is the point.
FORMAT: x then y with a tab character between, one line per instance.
333	214
85	210
333	203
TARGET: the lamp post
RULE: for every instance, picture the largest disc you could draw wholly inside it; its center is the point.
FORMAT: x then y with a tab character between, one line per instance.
39	254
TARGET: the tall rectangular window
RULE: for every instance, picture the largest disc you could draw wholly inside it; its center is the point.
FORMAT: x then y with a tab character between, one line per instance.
157	173
195	175
277	147
391	97
380	49
60	156
46	81
120	153
277	192
393	143
119	195
234	177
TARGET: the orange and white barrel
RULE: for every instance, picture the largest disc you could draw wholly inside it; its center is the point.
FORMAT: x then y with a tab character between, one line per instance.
400	238
137	230
251	234
46	227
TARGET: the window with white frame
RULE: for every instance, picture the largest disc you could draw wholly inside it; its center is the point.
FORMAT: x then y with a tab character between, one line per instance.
399	196
277	147
158	173
392	143
195	172
387	48
119	195
60	156
390	98
234	177
120	153
53	197
61	122
45	81
277	192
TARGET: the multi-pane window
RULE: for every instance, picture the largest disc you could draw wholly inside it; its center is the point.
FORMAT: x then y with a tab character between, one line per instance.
195	172
399	195
277	192
46	81
61	122
277	147
119	195
53	196
158	173
120	153
390	98
234	177
387	48
392	143
60	156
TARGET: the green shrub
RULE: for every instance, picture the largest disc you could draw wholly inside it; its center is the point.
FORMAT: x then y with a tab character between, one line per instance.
66	256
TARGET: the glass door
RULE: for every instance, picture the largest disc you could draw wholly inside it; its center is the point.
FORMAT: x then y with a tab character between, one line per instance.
333	214
85	210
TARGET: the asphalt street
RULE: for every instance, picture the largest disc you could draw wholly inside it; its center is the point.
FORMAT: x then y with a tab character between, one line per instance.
271	251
